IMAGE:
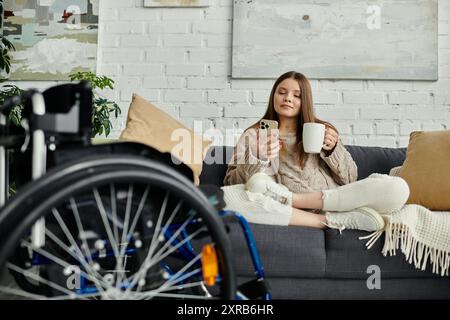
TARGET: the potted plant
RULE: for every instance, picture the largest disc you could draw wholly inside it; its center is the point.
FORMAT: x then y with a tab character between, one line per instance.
102	107
8	90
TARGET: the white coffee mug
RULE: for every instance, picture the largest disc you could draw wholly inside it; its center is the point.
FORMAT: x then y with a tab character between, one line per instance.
313	136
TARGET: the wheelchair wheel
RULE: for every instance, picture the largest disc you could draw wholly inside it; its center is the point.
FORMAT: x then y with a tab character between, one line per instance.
116	228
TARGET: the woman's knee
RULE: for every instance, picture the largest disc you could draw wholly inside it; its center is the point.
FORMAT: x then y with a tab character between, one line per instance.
397	192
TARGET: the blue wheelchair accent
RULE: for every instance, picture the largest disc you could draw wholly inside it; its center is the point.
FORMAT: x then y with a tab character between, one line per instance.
257	264
38	260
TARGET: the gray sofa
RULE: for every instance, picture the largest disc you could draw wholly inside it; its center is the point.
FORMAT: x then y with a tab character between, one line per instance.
308	263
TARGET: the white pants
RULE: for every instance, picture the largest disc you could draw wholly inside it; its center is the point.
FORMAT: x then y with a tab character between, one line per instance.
384	193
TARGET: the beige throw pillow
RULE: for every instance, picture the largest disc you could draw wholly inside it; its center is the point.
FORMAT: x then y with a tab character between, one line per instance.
427	169
151	126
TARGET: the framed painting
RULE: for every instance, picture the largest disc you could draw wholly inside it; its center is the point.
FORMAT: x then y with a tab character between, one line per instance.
53	38
176	3
335	39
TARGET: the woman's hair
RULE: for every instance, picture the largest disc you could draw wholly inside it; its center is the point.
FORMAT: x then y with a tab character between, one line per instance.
306	110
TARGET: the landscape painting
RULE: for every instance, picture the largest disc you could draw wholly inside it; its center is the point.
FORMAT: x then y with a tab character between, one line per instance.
336	39
53	38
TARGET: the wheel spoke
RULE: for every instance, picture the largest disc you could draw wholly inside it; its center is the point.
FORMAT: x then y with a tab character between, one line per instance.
38	278
147	261
168	222
72	241
120	265
182	296
153	243
139	210
183	286
160	255
114	210
81	296
80	258
147	265
136	218
172	216
81	231
57	260
28	295
153	293
179	276
106	222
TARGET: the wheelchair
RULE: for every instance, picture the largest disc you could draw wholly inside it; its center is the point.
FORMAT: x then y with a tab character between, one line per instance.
107	221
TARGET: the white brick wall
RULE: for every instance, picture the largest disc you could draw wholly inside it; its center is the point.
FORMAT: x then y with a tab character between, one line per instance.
180	58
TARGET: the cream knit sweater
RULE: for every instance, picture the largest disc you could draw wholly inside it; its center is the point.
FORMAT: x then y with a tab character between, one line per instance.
321	172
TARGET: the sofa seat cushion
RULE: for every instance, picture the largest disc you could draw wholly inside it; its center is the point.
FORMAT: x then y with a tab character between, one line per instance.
347	257
293	252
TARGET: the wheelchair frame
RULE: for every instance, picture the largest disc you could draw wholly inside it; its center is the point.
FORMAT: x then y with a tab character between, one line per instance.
39	124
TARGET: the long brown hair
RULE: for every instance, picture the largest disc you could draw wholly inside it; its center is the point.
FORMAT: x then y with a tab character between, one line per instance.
306	110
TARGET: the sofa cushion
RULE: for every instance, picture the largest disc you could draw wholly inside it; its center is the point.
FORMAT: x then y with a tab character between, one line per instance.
151	126
426	160
347	257
293	252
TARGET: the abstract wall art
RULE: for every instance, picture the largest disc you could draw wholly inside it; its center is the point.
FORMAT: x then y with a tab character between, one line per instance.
176	3
53	38
336	39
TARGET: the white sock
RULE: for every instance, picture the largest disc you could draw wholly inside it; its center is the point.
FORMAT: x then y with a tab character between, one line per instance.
380	192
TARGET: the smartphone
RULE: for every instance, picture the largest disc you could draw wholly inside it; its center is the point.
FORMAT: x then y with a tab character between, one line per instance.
266	124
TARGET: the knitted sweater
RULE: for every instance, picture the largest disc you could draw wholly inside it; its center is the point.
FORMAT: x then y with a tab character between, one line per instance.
320	172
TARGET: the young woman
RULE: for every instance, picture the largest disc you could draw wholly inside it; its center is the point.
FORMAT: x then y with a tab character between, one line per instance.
273	181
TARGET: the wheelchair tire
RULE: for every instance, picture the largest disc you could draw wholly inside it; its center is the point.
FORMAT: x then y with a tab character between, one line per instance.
85	184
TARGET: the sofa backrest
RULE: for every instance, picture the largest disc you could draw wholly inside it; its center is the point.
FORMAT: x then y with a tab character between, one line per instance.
368	159
376	159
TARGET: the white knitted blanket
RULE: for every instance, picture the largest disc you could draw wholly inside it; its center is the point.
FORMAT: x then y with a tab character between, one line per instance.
422	235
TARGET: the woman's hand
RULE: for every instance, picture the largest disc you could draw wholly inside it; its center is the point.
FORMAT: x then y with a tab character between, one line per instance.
265	146
330	140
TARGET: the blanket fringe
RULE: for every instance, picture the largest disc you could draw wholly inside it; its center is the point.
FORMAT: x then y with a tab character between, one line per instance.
398	236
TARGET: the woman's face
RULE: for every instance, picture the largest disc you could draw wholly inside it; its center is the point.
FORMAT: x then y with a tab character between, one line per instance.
287	102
